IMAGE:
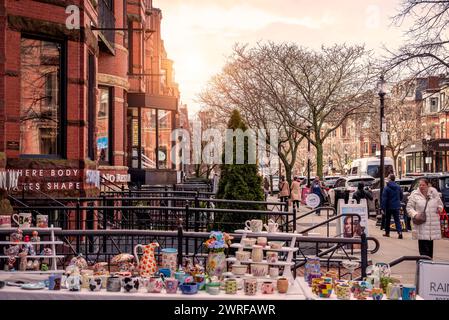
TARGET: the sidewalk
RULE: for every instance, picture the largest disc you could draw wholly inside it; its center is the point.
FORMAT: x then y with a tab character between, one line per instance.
390	248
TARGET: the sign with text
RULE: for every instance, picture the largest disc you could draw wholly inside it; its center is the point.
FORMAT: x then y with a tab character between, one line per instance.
433	280
348	226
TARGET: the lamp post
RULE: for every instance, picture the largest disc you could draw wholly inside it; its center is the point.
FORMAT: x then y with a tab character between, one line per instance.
383	129
308	156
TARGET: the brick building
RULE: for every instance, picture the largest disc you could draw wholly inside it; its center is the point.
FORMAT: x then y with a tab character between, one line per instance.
80	101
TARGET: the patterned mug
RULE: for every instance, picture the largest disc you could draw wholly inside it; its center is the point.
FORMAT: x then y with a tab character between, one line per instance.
171	285
155	285
250	286
267	287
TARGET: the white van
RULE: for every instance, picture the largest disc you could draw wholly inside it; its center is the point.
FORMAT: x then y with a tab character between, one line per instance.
371	167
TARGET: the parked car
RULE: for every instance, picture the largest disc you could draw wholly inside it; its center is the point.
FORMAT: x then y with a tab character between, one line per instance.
438	181
350	184
329	181
374	205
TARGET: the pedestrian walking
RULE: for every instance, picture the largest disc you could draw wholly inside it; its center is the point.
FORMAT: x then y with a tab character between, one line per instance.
266	187
295	192
392	196
284	190
317	189
424	207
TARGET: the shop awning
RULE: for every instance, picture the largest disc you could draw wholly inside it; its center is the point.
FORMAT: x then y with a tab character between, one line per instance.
145	100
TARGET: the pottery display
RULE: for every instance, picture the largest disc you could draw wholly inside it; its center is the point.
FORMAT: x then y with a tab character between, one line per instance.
23	219
262	241
250	286
267	287
259	270
113	284
257	253
282	285
231	286
243	255
130	284
147	265
169	259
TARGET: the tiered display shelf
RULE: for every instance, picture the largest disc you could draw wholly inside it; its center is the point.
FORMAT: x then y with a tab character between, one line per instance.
52	243
294	288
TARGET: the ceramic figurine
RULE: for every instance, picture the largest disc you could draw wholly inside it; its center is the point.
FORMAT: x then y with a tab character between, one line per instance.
26	238
72	269
79	261
30	248
30	265
36	265
11	262
44	267
16	236
47	252
23	260
124	262
100	269
36	238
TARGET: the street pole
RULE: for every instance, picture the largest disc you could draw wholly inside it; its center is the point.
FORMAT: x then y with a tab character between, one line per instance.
308	156
382	142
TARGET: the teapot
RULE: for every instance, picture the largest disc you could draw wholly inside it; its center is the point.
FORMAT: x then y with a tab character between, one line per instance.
147	265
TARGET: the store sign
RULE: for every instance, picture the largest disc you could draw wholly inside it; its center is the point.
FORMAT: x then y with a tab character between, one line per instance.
44	179
313	200
347	225
9	180
122	178
433	280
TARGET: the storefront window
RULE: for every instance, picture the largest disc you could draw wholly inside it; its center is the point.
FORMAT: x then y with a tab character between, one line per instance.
40	103
103	128
149	139
165	129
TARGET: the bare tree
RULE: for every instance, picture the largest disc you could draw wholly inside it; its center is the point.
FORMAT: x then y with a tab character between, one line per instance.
425	51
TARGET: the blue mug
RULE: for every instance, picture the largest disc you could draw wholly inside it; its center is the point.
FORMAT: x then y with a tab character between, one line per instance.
54	282
408	292
166	272
189	288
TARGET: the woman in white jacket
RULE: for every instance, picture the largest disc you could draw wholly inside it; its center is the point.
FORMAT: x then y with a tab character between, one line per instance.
429	230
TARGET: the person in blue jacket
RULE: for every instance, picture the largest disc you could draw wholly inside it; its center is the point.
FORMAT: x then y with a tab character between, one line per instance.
391	204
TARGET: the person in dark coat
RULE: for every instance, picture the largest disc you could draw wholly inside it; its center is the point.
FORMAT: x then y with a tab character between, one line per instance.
361	193
391	204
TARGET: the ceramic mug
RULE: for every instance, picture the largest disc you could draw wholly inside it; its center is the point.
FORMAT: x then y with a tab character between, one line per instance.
271	226
5	221
213	288
189	288
169	259
262	241
343	291
165	272
23	219
95	283
259	270
377	293
85	277
73	282
171	285
180	276
272	257
274	272
267	287
243	255
282	285
254	225
250	286
54	282
257	254
408	292
155	285
393	291
130	284
231	286
42	221
113	284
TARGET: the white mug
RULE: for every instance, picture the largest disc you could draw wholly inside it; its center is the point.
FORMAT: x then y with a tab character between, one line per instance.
254	225
42	221
274	272
272	226
23	219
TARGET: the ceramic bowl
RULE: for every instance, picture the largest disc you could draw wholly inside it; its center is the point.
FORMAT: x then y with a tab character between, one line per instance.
243	255
259	270
189	288
276	244
249	242
239	269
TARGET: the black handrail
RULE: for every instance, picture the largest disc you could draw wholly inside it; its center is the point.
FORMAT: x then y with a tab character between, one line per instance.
408	258
318	210
330	220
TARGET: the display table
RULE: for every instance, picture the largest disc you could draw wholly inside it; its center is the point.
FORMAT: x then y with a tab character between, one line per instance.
16	293
311	296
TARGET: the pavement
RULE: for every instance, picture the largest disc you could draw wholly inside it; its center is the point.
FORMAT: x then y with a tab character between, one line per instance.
390	248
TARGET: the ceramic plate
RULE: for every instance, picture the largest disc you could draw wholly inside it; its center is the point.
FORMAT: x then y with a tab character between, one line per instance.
33	286
15	283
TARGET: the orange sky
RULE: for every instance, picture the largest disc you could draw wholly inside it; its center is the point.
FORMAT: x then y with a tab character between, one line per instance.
199	34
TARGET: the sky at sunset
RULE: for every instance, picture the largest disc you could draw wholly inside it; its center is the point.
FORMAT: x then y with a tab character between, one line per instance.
199	34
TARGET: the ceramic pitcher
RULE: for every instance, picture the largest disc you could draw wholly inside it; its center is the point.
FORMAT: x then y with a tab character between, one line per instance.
147	265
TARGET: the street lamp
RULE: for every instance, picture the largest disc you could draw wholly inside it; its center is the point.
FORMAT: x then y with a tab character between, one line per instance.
308	156
383	129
